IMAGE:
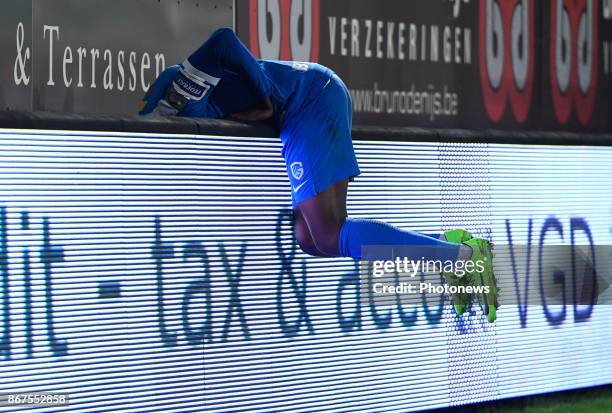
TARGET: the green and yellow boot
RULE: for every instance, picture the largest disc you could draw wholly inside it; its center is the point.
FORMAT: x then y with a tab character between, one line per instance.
460	300
482	254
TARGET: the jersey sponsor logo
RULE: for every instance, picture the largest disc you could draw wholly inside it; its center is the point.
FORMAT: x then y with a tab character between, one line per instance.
507	48
297	170
285	29
574	50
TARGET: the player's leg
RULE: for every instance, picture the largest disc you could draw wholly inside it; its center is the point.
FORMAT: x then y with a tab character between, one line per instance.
324	215
336	235
302	234
320	159
328	214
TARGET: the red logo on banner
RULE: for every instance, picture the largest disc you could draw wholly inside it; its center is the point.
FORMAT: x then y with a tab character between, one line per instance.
507	56
284	29
573	57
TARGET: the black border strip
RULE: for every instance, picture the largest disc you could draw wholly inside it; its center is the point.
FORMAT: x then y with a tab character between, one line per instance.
196	126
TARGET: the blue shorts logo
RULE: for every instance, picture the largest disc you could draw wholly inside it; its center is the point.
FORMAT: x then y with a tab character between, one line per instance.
297	170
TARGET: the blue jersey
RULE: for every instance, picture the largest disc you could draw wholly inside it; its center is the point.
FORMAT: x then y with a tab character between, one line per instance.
312	106
235	81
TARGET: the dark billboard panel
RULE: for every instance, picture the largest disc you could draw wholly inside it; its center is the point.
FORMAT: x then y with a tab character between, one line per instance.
517	64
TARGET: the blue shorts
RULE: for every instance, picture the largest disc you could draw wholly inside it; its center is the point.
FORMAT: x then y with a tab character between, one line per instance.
317	142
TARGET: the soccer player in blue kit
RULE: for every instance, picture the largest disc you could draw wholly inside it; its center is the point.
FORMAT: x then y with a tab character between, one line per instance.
311	108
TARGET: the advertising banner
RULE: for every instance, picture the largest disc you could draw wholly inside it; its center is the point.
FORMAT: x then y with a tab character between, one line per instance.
518	64
96	56
159	272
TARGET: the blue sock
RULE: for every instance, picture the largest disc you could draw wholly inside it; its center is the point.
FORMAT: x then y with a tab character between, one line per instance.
384	242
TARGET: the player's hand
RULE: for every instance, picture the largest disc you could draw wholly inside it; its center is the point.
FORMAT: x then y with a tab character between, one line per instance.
257	114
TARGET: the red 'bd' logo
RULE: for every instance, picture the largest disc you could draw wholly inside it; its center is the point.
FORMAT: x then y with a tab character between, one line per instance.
507	56
573	57
284	29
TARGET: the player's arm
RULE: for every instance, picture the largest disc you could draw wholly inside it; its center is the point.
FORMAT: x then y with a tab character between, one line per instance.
223	50
195	78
